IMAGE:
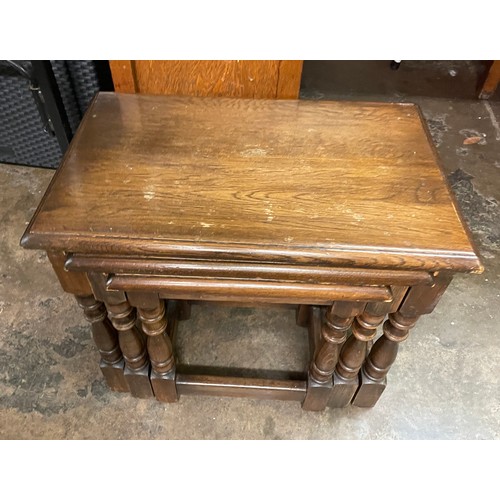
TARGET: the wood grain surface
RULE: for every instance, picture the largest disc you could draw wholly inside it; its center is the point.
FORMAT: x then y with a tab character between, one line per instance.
75	283
211	385
346	184
123	73
248	290
250	79
79	264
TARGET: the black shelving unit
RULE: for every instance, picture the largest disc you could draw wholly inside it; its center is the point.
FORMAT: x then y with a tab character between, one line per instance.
41	105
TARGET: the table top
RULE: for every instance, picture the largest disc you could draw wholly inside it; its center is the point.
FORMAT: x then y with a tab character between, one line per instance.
343	183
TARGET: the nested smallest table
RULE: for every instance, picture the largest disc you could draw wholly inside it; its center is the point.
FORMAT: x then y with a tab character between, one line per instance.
340	209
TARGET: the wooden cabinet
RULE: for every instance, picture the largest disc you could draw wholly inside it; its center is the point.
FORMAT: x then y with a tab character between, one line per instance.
491	83
252	79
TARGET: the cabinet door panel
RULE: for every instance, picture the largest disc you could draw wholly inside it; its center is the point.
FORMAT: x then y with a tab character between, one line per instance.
250	79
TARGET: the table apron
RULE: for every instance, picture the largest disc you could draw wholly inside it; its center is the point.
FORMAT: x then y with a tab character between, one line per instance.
248	290
245	270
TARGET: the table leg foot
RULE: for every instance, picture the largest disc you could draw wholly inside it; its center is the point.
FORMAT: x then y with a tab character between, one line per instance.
106	339
138	381
164	387
369	392
153	316
343	391
133	347
114	376
353	353
302	314
338	320
317	395
380	359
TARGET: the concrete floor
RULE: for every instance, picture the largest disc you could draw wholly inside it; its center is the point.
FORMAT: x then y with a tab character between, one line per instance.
373	79
444	384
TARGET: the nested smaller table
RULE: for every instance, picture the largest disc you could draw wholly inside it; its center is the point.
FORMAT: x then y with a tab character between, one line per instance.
339	209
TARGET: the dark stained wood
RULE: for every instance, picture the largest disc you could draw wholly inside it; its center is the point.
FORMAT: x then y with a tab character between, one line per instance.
285	390
369	391
419	300
317	395
131	341
338	320
235	270
105	335
75	283
106	340
252	305
302	314
423	299
345	377
255	79
173	318
314	329
154	324
133	347
98	283
398	294
250	291
380	359
159	155
144	300
418	261
333	204
353	353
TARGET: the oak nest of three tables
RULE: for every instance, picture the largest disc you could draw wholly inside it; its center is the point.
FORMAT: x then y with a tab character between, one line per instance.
337	209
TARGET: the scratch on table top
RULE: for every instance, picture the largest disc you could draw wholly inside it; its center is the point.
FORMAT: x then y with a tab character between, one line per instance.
269	210
249	153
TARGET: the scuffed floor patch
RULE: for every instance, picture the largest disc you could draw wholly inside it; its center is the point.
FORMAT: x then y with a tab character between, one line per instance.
482	214
437	126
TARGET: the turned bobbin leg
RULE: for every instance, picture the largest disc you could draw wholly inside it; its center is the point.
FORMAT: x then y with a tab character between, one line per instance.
338	319
380	359
302	315
131	340
353	353
421	299
152	313
133	347
106	339
103	333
